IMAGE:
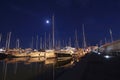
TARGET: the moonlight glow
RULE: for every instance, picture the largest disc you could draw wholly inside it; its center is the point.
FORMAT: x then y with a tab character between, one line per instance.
47	21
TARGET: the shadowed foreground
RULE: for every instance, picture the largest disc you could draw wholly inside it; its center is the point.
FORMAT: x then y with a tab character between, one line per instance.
93	67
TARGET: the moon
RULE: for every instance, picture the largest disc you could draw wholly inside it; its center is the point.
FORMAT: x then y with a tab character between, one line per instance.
47	21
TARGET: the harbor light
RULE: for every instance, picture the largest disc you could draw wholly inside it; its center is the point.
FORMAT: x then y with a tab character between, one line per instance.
107	56
98	53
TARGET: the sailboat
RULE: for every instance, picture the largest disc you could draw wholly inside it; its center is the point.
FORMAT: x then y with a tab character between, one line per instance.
48	53
111	48
35	53
84	41
2	54
17	52
67	51
3	51
81	52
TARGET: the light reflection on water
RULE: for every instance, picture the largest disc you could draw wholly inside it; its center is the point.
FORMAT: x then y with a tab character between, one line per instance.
32	68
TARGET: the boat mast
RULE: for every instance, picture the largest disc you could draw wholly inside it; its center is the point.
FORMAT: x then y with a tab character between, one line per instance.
111	35
59	46
37	42
45	41
76	39
84	40
6	45
53	35
17	44
32	43
105	40
8	40
69	41
49	42
63	45
0	37
40	42
100	42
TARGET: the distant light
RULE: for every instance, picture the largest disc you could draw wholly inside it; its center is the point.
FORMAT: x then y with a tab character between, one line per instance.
107	56
47	21
98	53
1	50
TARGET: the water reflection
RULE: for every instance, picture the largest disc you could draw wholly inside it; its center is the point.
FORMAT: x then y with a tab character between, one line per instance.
32	68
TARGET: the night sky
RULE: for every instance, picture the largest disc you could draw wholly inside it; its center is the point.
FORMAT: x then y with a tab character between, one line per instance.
26	18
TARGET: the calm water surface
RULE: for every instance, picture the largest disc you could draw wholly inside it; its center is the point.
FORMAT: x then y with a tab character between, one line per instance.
33	68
